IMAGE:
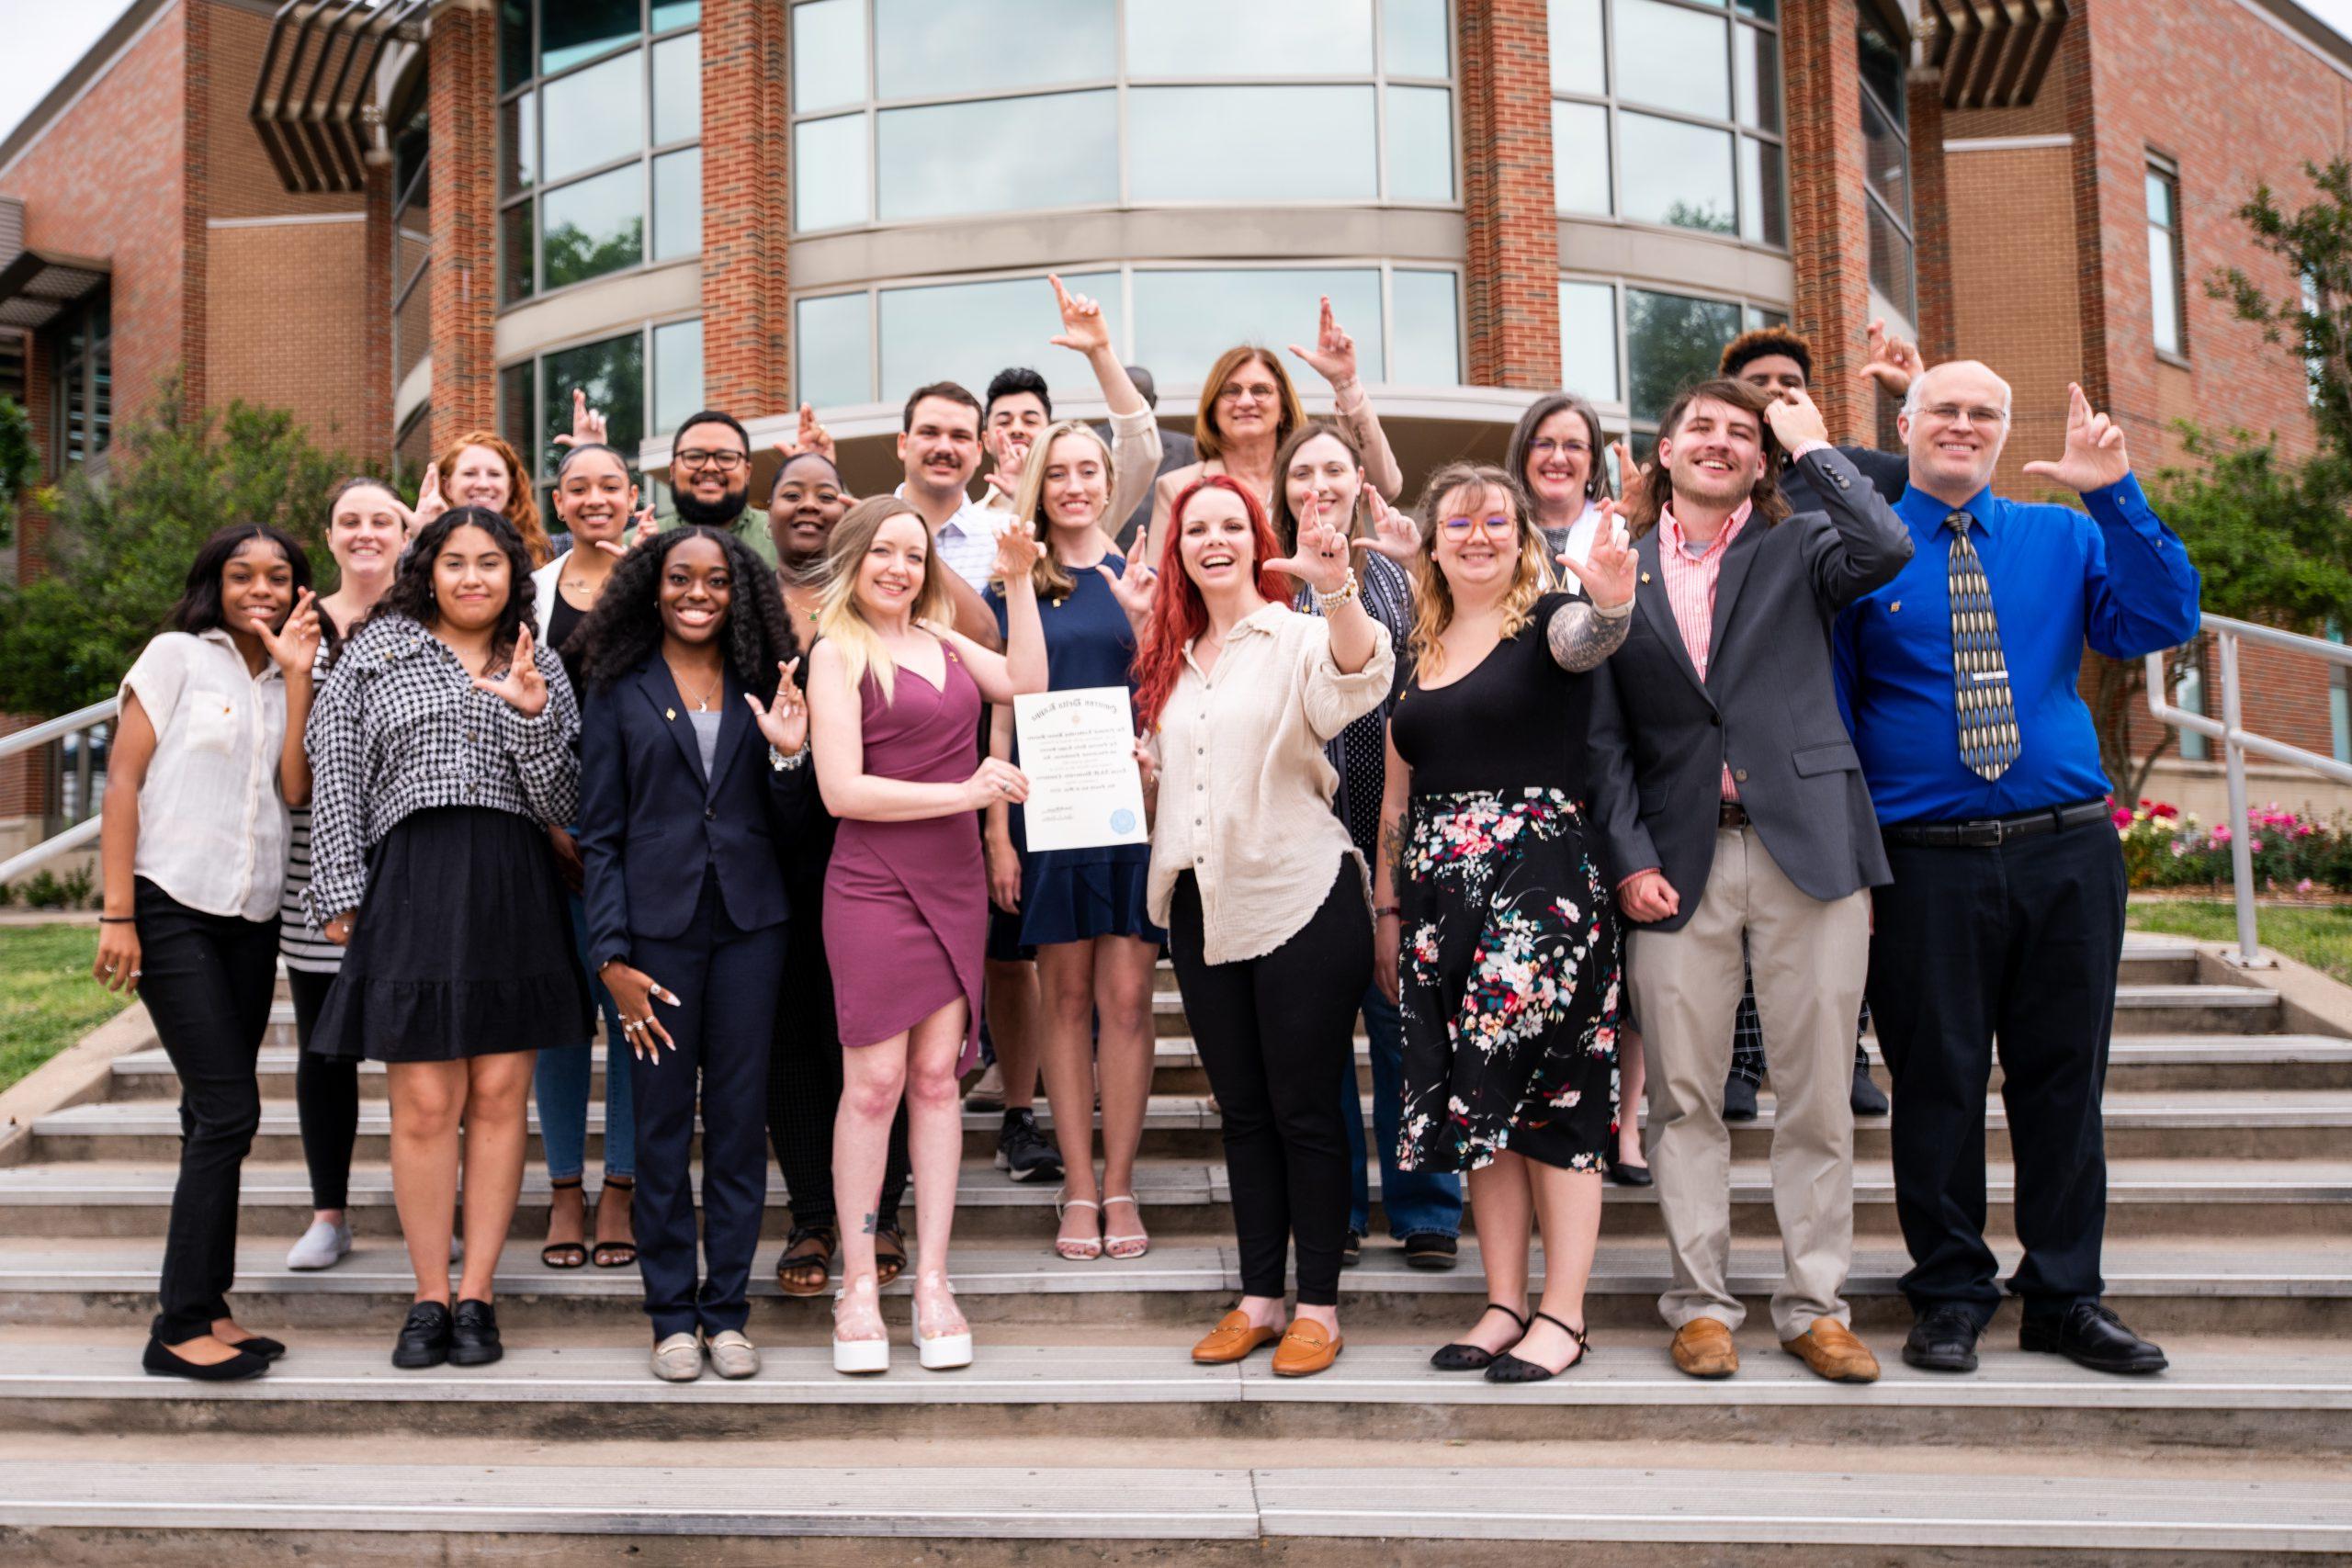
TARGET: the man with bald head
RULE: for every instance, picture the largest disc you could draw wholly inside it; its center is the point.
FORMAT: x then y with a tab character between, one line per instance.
2004	923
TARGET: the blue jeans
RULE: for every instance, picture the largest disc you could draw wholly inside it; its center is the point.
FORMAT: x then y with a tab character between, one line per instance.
561	1084
1418	1201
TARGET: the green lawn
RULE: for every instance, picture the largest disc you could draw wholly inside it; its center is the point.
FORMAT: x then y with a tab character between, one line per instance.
47	997
2321	937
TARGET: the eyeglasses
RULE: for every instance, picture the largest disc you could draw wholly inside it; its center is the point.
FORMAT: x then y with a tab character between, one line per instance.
1952	413
1547	448
1259	394
724	462
1461	527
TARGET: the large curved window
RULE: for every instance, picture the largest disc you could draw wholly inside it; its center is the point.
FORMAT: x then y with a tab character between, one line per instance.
600	121
914	110
644	380
1669	112
1886	151
1629	344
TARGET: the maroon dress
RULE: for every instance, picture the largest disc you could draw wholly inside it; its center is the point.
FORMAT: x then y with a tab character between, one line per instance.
907	903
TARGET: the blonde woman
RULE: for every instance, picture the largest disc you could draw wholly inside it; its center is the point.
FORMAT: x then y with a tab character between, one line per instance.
894	695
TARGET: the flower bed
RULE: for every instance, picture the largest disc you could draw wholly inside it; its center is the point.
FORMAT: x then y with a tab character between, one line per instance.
2293	854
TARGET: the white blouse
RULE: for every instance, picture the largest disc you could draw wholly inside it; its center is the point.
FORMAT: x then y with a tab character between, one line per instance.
212	823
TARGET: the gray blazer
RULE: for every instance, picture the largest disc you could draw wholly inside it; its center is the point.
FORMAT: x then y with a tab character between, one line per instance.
1768	709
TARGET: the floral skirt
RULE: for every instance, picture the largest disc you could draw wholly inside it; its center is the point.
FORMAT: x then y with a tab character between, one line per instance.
1509	969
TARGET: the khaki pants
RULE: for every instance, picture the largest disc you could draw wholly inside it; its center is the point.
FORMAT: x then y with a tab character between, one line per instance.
1810	960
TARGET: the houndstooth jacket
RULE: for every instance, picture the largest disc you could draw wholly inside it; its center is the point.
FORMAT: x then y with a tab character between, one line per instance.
399	727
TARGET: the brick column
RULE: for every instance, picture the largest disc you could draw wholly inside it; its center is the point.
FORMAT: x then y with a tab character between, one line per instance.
463	104
195	201
372	443
746	210
1931	216
1511	241
1828	235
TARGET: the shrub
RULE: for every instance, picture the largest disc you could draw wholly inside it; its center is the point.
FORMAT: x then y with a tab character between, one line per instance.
2292	853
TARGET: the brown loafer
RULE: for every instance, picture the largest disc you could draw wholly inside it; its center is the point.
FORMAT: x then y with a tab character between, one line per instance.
1307	1349
1233	1338
1830	1347
1702	1349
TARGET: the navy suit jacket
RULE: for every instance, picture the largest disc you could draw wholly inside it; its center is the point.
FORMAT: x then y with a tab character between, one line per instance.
651	821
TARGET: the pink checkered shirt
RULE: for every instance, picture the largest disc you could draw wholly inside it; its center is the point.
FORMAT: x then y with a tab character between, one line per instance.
1690	589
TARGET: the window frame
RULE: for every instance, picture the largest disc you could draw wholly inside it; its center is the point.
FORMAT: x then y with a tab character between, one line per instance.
1898	122
542	462
93	379
2163	167
1617	415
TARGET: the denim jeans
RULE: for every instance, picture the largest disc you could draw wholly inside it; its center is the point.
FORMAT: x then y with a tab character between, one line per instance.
1418	1201
561	1084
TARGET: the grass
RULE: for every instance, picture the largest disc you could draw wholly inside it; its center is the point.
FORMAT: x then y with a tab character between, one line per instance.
47	997
2321	936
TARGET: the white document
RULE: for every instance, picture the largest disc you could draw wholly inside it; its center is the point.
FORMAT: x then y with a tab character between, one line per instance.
1077	749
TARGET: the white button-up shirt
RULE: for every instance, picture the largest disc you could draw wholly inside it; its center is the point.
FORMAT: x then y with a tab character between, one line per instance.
967	541
212	824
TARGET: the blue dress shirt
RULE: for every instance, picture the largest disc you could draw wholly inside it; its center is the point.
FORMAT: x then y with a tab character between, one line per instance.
2116	579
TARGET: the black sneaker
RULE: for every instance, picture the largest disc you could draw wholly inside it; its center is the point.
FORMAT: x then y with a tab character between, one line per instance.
1739	1099
1352	1250
1022	1151
424	1337
474	1336
1867	1099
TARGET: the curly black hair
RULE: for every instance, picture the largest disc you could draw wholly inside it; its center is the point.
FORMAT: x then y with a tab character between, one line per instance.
625	628
411	593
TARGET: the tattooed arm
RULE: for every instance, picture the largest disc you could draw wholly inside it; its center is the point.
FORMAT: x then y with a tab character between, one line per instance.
1388	876
1581	635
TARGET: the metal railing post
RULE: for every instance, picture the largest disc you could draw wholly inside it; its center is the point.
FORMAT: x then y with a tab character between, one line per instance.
2241	835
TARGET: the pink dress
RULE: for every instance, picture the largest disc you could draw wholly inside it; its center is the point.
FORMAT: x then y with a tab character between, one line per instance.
906	903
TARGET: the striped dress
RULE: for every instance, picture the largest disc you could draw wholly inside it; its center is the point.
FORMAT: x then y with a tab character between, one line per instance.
297	945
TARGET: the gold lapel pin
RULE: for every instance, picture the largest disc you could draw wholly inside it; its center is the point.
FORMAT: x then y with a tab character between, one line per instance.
1645	577
1896	608
670	713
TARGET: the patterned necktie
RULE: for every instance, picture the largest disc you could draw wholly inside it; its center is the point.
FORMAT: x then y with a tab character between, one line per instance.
1980	672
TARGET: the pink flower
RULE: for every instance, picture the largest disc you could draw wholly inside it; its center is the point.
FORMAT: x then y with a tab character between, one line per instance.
2220	835
2305	885
2255	847
2122	817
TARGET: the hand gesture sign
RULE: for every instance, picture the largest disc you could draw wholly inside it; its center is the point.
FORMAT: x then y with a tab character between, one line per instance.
1794	419
1017	549
296	642
784	721
1608	570
645	532
1134	588
1321	559
588	427
522	687
1334	357
1629	478
1083	327
2094	455
1894	360
811	437
1394	533
634	992
430	502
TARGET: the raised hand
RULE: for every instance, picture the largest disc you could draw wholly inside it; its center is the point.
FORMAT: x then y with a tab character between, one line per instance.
1017	550
1083	326
1334	357
296	641
588	427
1005	485
1134	588
1609	569
1647	895
997	780
1795	420
634	992
1321	559
2094	454
647	530
522	687
1394	533
811	437
430	502
784	721
1894	360
1629	478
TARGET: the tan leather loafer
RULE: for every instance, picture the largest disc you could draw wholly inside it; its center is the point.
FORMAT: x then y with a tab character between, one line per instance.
1307	1349
1830	1347
1702	1349
1233	1338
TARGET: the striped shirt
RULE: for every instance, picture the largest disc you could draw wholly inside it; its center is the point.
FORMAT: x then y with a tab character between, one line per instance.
301	947
1690	576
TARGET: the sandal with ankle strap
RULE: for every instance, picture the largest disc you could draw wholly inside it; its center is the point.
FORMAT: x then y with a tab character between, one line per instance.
1508	1368
566	1253
616	1254
1076	1251
807	1249
889	1254
1123	1248
1462	1357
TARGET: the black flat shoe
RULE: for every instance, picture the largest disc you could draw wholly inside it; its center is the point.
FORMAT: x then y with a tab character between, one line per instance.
1429	1250
1740	1101
1510	1368
1943	1341
424	1337
161	1361
2090	1335
1623	1174
262	1345
1352	1250
1867	1099
474	1336
1460	1357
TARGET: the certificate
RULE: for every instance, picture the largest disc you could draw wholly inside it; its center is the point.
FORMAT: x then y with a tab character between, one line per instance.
1077	749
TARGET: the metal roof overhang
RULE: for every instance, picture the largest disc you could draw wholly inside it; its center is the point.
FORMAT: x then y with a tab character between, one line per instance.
36	284
314	104
1993	54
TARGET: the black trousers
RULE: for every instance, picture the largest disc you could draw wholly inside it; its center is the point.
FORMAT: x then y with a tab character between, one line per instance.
2017	945
1277	1036
327	1098
726	982
207	981
805	1080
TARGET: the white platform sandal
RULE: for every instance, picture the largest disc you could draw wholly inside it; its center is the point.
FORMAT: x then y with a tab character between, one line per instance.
856	1356
943	1352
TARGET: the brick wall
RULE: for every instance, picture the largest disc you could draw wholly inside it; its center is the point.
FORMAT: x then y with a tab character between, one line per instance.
1512	277
746	210
1828	237
463	105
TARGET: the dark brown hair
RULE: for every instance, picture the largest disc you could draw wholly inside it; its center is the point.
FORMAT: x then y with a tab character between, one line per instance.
1645	501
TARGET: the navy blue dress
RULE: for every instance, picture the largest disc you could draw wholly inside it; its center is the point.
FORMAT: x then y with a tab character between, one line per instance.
1078	895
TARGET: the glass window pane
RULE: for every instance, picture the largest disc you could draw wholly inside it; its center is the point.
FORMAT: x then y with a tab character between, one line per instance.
1762	10
928	49
1684	174
677	90
677	373
1058	150
514	253
1756	63
968	332
1672	57
1671	340
613	374
1170	128
1184	319
1249	37
1420	144
828	172
571	31
2159	199
677	204
1759	317
1889	261
828	54
1763	196
513	43
1580	158
1886	160
594	227
833	349
518	141
594	116
1428	350
2164	290
1882	68
1577	58
668	13
1413	37
1589	339
516	417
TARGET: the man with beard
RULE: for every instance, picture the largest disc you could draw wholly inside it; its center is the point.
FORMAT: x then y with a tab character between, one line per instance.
710	470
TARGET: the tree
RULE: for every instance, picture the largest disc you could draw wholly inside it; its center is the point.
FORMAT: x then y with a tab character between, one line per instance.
2316	244
16	462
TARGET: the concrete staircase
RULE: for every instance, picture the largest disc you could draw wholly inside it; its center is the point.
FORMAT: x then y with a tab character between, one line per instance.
1084	1434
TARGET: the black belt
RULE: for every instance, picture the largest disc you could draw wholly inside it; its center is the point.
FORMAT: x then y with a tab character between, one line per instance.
1731	814
1991	832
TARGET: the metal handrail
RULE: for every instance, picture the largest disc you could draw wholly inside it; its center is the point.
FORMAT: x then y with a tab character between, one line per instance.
2237	740
79	722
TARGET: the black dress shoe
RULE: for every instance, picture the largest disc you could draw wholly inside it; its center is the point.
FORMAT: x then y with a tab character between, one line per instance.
1352	1250
1944	1341
261	1345
1869	1100
1431	1249
1739	1099
474	1336
2090	1335
162	1361
1624	1175
424	1338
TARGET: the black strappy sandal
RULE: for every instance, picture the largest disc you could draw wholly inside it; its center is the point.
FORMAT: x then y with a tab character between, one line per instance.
1508	1368
566	1253
889	1255
616	1254
1462	1357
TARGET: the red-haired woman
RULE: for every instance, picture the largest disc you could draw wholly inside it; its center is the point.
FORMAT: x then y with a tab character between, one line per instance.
1256	881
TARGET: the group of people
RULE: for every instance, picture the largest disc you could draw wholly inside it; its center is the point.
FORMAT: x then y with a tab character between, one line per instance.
1558	792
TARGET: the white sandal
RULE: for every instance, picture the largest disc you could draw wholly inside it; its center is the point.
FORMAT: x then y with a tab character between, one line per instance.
860	1354
1111	1244
1076	1251
940	1352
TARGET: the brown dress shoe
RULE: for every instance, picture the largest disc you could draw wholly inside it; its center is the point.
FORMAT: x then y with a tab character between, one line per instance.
1307	1349
1233	1338
1702	1349
1830	1348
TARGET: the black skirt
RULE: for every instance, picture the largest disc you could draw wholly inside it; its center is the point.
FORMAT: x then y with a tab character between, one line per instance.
462	946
